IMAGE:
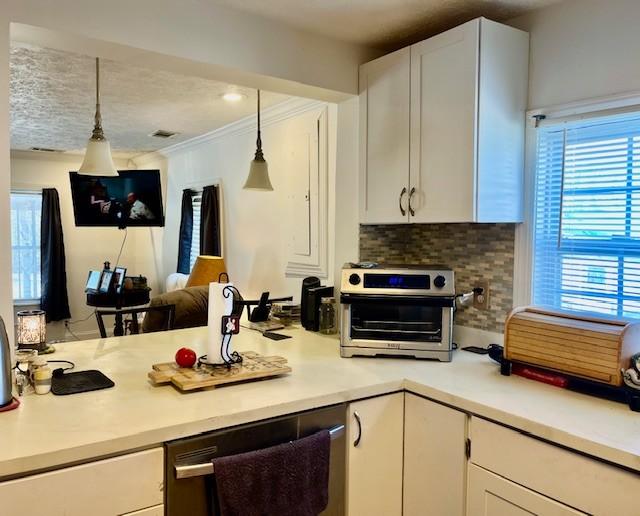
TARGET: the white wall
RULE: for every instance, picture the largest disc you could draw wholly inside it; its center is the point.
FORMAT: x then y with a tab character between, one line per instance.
347	232
582	49
257	225
86	248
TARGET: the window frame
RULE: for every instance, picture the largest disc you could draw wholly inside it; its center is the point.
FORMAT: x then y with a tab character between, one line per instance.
583	110
22	191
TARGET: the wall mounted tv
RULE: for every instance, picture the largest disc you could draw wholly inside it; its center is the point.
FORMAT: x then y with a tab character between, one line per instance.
132	198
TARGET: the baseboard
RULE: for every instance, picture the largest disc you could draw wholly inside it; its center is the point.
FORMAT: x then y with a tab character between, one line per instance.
466	336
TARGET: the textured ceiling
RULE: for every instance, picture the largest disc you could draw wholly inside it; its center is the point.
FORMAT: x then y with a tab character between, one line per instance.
53	102
384	24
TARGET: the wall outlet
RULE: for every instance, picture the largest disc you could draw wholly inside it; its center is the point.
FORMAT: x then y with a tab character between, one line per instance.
481	294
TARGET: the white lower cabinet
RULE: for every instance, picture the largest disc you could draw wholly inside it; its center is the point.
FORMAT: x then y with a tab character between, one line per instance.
530	476
374	456
109	487
435	462
491	495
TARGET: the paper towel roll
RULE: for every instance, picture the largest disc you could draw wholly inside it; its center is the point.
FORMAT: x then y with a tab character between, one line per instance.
219	306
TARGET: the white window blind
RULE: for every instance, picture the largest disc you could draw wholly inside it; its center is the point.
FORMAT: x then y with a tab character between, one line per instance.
196	199
26	209
586	253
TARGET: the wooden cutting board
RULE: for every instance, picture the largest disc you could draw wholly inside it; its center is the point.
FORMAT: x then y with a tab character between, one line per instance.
253	367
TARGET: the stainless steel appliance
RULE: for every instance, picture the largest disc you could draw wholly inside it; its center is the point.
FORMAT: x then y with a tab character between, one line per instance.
189	476
397	311
6	396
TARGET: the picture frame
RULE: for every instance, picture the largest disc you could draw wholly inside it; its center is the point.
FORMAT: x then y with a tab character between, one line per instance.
106	281
119	273
93	281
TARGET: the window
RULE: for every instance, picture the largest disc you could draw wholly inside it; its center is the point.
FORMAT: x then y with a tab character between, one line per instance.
196	199
586	230
25	245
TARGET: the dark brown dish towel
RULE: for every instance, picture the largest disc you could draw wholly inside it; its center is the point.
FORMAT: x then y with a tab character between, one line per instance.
290	479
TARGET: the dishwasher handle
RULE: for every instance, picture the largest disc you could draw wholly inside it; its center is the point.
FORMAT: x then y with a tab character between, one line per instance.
206	468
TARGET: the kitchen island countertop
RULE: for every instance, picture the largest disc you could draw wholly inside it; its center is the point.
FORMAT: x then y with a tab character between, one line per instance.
51	431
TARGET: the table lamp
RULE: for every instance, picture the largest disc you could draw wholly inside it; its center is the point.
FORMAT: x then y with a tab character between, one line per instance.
32	330
207	269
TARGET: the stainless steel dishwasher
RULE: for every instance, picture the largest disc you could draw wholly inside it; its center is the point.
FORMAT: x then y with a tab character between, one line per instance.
189	478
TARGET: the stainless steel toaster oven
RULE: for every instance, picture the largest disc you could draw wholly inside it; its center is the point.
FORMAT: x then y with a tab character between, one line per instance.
397	311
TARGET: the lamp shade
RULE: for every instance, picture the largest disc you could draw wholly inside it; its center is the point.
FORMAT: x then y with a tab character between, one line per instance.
207	269
32	330
258	176
98	160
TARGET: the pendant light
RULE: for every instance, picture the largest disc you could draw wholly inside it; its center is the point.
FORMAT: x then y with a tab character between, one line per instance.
97	158
258	171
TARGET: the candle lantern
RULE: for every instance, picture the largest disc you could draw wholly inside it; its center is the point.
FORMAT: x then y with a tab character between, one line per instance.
32	330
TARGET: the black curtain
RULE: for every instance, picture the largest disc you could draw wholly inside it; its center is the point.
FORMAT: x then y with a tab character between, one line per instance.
186	232
54	300
210	222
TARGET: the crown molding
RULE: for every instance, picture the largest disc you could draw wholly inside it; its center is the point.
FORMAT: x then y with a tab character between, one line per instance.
269	116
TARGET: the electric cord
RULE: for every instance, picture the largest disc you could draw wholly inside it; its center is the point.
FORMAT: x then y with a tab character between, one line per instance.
59	371
117	262
68	328
69	323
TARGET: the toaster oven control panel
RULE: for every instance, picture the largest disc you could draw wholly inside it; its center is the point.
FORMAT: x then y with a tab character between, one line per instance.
398	281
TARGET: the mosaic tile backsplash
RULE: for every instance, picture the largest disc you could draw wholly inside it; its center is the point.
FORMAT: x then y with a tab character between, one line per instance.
473	251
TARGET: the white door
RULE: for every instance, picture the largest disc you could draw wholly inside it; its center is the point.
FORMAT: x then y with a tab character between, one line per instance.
384	138
444	78
492	495
374	456
435	461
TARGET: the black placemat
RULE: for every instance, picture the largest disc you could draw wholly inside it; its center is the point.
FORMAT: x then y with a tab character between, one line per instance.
81	381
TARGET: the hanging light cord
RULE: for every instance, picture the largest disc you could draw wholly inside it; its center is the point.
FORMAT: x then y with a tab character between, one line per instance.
259	156
97	134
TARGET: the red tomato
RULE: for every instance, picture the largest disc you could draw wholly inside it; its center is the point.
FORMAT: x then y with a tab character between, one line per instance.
186	357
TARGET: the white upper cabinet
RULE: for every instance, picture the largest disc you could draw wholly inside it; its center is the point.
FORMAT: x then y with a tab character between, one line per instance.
384	143
462	156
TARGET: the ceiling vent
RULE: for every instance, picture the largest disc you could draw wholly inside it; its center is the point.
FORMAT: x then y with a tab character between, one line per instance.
44	149
163	134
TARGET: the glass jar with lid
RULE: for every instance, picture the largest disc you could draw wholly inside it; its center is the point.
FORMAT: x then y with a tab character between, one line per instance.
327	316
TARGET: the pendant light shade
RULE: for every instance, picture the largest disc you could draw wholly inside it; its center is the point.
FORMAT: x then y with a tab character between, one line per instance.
259	170
97	158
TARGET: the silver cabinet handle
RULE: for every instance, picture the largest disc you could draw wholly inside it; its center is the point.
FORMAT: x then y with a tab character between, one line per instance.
356	442
411	210
402	210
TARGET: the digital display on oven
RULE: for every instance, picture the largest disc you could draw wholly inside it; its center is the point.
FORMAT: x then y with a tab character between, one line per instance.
402	281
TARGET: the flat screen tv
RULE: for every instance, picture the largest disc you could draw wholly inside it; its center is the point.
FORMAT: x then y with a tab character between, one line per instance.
132	198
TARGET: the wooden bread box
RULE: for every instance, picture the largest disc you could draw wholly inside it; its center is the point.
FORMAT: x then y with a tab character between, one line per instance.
583	346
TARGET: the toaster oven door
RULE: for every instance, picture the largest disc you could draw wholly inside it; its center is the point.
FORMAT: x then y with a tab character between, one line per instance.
403	322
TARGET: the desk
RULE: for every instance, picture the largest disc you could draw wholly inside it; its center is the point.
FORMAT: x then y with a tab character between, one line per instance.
125	299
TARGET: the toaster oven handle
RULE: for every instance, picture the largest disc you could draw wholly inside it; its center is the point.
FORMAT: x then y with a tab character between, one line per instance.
206	468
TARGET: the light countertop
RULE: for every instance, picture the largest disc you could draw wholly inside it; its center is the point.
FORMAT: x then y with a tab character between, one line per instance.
49	431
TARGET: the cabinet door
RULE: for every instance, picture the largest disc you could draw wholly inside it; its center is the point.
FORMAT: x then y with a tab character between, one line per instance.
492	495
384	138
103	488
374	456
444	78
435	461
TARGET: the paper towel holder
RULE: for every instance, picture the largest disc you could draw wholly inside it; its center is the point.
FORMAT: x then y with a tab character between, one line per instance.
230	326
